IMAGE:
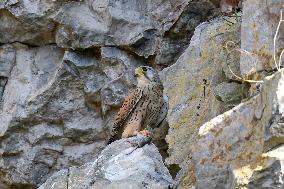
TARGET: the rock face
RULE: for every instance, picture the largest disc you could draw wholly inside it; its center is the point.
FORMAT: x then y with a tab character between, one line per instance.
64	96
230	150
127	163
195	89
177	39
230	140
269	171
136	25
243	148
258	31
66	66
22	22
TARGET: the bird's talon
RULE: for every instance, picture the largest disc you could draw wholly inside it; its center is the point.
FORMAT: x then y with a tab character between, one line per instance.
145	133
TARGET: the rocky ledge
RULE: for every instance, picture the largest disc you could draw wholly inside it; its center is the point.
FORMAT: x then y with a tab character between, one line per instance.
127	163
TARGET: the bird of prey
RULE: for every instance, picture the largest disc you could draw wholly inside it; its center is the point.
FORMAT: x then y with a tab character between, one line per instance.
145	106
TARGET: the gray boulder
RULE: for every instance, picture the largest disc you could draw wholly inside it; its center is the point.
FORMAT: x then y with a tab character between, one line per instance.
131	163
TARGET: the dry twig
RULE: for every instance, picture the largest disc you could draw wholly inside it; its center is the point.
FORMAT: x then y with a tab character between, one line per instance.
229	52
277	65
274	43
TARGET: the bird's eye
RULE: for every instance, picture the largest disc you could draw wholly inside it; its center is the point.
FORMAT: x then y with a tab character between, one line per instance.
144	69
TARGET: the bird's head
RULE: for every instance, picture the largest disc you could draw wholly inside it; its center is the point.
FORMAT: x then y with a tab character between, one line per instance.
146	74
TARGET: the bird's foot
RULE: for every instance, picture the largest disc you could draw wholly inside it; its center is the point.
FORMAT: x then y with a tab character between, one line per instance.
145	133
141	138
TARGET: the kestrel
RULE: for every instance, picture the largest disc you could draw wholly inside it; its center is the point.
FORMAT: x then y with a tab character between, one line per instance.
146	106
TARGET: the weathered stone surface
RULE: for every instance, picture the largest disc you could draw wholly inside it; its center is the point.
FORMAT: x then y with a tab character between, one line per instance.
258	30
135	24
7	59
119	67
3	82
267	172
230	93
21	26
189	85
234	138
55	102
56	119
127	163
230	147
274	99
33	69
177	39
59	91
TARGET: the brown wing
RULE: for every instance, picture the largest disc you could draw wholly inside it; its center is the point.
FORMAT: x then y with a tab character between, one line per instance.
127	107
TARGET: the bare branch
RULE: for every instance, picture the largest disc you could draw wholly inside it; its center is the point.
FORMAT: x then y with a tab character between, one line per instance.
241	51
274	42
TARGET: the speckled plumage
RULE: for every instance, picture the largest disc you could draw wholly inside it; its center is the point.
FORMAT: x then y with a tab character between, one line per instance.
144	106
